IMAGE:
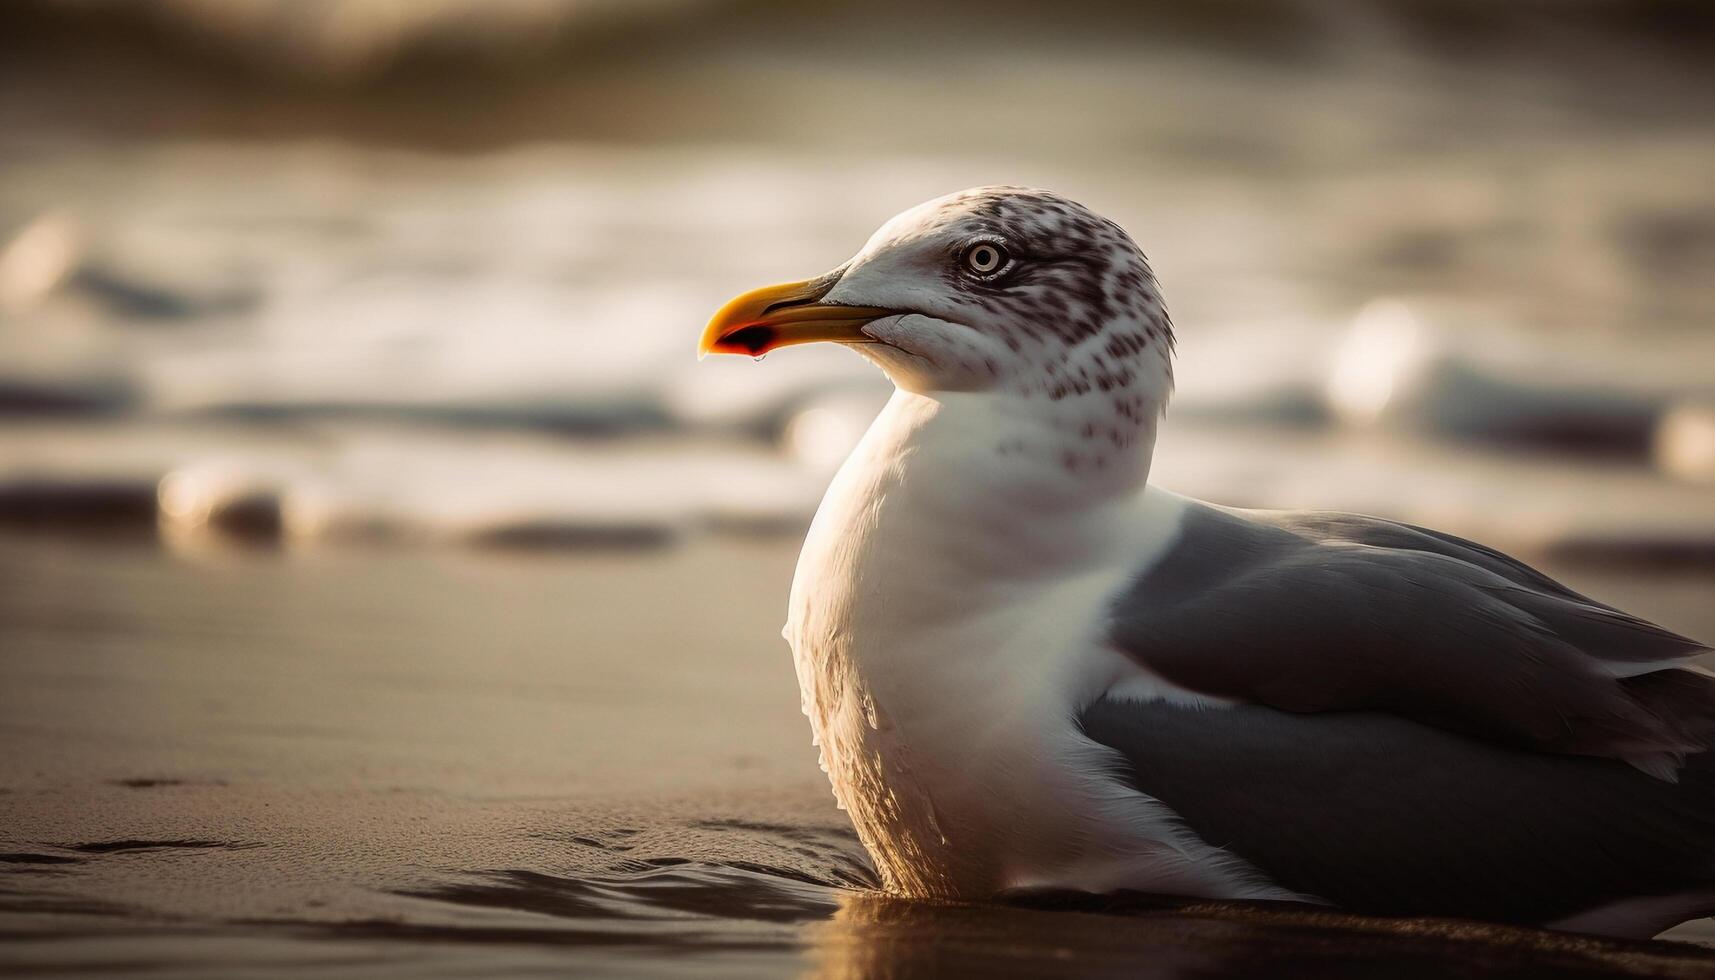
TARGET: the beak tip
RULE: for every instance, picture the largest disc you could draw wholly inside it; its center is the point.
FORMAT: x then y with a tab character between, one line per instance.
778	316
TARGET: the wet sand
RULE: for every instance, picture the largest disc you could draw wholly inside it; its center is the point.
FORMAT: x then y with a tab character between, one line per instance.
435	762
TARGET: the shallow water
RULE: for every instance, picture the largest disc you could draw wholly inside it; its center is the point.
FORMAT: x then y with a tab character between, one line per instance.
253	762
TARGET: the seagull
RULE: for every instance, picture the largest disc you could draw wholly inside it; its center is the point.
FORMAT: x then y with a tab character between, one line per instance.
1029	669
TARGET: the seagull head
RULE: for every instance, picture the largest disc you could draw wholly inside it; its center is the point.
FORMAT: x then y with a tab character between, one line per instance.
1005	289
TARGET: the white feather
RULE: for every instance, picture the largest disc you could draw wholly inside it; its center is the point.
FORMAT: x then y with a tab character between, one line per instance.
945	621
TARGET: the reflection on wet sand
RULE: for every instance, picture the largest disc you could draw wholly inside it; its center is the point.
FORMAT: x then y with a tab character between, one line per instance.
873	937
762	918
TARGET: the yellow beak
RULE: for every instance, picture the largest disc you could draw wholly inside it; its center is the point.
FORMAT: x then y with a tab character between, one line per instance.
779	316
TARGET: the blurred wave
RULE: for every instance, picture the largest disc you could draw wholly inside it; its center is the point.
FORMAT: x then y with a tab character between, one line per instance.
498	351
341	41
461	73
430	272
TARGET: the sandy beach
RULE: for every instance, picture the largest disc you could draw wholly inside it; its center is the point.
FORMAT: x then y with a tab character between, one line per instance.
406	763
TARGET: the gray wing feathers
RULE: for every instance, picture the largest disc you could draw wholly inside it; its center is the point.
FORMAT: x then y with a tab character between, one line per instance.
1362	529
1381	814
1313	613
1598	629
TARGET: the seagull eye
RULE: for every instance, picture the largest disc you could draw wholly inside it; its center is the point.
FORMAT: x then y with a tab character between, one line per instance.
984	259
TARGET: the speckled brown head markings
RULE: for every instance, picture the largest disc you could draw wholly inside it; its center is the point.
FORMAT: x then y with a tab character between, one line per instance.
1077	288
1022	294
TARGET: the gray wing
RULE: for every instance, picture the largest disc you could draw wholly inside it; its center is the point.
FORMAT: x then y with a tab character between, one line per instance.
1380	814
1329	612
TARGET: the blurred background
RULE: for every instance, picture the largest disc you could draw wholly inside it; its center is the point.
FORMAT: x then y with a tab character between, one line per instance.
352	439
432	271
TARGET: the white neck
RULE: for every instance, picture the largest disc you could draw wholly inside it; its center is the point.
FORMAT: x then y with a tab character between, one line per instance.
1017	470
950	494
